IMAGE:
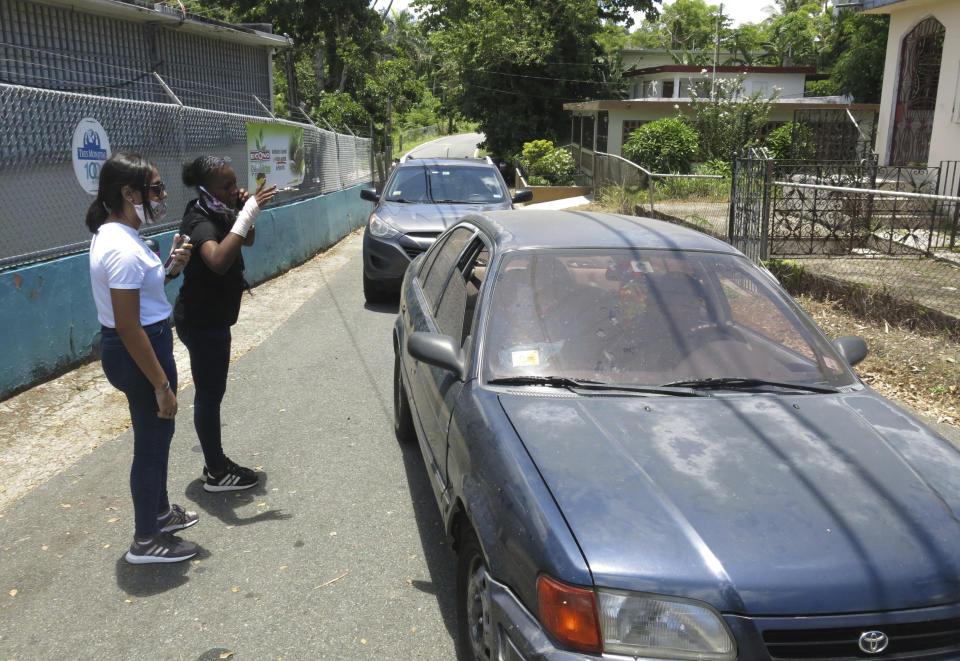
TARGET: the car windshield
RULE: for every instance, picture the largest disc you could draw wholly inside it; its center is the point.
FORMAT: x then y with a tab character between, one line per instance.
650	317
461	184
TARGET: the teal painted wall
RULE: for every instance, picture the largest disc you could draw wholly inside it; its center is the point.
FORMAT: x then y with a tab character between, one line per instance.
49	319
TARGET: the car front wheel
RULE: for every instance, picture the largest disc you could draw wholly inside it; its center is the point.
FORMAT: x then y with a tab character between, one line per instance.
474	628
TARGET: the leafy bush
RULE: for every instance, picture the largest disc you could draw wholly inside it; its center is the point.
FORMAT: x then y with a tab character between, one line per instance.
535	150
726	121
785	142
665	145
717	166
547	164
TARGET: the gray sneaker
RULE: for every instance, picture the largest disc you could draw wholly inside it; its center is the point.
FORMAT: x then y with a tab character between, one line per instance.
179	519
165	547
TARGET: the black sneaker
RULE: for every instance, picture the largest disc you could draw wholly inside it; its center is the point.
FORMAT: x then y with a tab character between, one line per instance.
179	519
165	547
234	478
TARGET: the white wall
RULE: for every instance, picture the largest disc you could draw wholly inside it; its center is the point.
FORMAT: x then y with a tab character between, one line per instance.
904	16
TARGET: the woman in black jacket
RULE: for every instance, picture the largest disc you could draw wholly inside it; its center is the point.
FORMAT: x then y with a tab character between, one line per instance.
219	223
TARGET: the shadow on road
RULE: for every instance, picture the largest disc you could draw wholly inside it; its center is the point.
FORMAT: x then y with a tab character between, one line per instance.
222	505
441	560
383	308
149	580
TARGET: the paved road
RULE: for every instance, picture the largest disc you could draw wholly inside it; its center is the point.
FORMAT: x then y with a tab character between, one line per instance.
462	145
337	555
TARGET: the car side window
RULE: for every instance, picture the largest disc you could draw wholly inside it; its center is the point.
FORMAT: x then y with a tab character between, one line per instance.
444	261
430	257
459	299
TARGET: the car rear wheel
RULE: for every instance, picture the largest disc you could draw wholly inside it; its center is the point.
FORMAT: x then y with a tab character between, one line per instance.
402	419
373	291
474	627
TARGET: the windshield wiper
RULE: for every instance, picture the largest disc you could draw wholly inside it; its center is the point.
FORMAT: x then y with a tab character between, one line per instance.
738	382
587	384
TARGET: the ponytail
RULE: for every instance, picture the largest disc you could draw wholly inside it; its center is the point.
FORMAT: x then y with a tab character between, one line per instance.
96	214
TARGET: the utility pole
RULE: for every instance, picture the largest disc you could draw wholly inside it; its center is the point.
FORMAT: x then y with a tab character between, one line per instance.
716	55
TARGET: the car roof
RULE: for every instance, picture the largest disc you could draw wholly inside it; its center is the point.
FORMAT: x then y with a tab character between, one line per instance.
456	162
530	228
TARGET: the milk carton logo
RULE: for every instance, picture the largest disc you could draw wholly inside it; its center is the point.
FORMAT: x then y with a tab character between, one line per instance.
90	149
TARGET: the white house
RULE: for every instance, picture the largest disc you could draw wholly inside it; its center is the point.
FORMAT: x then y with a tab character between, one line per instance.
920	102
664	90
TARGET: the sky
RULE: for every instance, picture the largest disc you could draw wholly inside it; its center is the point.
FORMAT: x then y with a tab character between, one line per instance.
741	11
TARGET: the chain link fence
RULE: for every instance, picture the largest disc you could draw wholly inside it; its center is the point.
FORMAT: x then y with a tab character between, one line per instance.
44	204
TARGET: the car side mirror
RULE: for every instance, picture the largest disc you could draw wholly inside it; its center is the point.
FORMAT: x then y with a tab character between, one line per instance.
438	350
522	195
851	347
369	194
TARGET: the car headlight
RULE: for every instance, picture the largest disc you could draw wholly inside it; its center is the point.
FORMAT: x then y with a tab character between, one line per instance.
381	228
647	625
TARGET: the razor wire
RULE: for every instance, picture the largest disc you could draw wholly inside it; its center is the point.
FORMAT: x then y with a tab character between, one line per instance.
44	204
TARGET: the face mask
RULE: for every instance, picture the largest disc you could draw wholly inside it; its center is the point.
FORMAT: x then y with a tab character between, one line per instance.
216	205
159	209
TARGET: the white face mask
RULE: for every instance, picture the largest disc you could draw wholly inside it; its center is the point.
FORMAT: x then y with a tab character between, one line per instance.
159	209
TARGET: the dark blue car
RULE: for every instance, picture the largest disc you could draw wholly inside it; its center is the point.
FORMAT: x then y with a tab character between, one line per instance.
643	448
422	198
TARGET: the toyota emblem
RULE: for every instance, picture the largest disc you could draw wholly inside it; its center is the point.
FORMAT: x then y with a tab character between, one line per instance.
873	642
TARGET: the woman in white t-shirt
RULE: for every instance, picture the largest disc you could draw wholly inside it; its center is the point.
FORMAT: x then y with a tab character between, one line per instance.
137	343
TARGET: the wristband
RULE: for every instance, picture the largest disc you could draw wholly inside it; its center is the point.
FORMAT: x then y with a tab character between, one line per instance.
165	388
246	217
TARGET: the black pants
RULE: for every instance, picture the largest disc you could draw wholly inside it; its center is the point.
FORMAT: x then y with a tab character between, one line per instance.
209	361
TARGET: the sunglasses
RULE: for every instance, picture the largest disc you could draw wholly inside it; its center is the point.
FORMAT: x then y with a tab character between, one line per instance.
157	188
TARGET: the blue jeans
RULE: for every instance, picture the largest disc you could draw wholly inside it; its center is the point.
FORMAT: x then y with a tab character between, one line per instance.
151	435
209	361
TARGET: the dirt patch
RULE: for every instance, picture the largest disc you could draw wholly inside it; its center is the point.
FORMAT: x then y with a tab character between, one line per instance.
919	369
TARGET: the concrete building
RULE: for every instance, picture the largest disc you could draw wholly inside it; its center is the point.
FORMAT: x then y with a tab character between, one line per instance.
112	48
919	120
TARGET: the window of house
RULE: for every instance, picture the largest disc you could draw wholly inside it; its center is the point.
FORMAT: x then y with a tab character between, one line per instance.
587	133
668	89
603	125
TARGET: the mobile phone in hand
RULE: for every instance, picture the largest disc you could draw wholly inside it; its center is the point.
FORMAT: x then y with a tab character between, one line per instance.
184	239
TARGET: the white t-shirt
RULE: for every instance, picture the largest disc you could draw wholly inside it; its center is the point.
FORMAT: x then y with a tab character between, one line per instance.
119	259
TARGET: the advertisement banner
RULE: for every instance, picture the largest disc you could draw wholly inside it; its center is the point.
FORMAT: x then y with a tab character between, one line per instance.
275	155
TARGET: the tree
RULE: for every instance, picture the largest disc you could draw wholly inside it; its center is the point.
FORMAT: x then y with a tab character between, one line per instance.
511	66
728	123
862	47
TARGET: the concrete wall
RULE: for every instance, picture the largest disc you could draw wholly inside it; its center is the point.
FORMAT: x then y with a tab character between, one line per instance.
49	319
904	16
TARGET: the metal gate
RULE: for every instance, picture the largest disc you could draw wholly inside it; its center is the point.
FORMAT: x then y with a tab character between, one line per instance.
750	206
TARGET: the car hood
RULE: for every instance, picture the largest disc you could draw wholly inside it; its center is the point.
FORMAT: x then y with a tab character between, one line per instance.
414	217
760	505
